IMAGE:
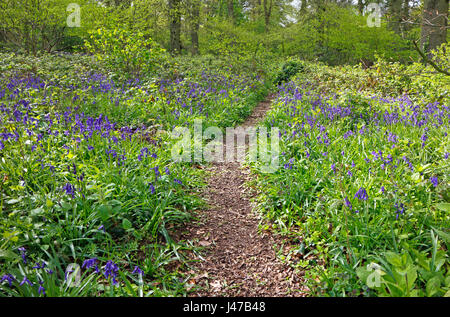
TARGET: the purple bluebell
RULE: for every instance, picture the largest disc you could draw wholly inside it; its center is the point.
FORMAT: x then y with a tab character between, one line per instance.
434	181
361	194
9	278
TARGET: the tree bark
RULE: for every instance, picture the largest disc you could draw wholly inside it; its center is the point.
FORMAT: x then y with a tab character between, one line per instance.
395	15
194	25
434	24
175	26
267	12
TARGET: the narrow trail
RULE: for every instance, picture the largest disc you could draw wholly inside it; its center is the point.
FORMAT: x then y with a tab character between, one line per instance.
237	259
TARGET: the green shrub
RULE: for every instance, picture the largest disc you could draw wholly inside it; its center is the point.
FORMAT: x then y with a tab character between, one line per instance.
289	70
125	53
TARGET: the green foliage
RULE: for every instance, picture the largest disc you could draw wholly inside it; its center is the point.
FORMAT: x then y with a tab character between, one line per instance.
341	131
127	54
89	172
288	70
413	273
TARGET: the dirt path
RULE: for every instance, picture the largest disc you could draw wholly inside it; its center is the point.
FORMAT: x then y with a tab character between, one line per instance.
237	259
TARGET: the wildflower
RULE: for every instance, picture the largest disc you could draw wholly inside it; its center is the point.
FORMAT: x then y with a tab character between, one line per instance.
399	209
25	280
41	289
23	254
434	181
89	263
111	270
38	266
382	189
349	173
348	203
157	173
361	194
152	188
70	189
333	167
138	271
9	278
289	165
178	181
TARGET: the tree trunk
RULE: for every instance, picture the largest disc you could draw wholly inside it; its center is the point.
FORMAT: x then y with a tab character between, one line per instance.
360	6
175	26
230	10
194	25
395	15
267	13
434	24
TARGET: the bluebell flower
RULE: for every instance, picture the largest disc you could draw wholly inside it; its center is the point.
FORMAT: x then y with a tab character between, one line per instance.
333	167
23	254
138	271
361	194
9	278
41	289
89	263
434	181
111	269
39	266
70	189
399	209
348	203
25	280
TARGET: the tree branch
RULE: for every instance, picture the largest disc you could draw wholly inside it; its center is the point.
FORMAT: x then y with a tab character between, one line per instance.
429	61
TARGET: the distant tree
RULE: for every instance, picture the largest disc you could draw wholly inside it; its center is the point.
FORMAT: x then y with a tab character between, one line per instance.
175	26
193	19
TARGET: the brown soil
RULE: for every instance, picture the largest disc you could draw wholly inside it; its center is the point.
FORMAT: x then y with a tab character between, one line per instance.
237	259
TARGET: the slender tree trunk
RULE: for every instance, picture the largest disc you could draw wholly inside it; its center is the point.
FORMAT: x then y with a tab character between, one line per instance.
175	26
194	25
267	12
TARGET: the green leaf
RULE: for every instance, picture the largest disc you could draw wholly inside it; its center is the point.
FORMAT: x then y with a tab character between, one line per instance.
433	286
104	212
394	259
126	224
8	255
444	207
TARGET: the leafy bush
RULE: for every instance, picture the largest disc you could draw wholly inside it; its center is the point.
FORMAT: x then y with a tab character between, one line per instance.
125	53
289	70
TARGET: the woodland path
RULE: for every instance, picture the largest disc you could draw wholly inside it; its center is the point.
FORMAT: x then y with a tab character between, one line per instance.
237	259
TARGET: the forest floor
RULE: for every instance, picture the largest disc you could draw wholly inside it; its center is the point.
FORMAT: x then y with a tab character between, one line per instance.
238	259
